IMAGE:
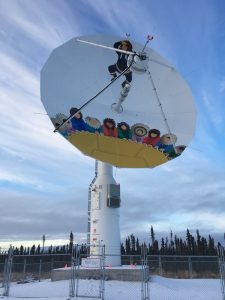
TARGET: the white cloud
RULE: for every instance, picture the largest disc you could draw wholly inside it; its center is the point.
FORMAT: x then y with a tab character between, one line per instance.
131	18
14	74
40	21
28	143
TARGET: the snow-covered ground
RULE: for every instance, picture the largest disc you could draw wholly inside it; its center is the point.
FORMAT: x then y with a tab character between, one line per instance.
160	289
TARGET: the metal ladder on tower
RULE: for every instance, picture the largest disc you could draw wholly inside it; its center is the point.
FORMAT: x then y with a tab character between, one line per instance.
89	203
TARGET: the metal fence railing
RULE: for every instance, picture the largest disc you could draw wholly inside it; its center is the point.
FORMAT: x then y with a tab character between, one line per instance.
222	269
184	266
38	268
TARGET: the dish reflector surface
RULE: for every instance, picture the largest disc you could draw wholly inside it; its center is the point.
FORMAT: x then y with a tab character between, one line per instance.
157	117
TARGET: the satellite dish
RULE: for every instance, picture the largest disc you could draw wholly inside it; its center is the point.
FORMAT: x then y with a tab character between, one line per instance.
144	117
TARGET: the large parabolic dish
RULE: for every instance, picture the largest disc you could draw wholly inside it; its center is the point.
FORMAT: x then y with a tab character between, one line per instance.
154	123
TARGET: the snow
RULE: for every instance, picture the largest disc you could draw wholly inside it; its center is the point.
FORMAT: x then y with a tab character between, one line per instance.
161	288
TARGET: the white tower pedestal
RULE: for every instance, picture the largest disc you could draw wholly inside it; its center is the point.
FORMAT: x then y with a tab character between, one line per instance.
104	214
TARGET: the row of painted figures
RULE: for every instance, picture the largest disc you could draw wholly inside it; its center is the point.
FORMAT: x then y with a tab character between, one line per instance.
138	132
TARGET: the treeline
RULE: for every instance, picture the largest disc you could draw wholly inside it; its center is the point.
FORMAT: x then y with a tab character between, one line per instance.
172	245
38	250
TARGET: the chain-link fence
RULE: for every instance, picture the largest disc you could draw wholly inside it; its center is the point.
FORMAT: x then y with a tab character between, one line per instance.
37	267
222	269
25	270
92	268
168	277
184	267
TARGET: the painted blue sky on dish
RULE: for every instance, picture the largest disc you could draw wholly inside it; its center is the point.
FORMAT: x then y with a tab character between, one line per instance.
44	179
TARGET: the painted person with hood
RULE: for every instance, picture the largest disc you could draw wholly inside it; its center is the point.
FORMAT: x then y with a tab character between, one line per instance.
167	143
124	131
77	120
153	137
109	127
93	125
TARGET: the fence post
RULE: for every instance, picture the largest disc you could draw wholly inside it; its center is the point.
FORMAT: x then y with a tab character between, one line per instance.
131	260
176	266
24	268
190	267
4	272
221	261
145	275
52	263
8	271
40	268
160	265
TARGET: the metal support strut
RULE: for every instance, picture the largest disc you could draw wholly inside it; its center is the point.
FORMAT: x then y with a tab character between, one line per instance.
158	100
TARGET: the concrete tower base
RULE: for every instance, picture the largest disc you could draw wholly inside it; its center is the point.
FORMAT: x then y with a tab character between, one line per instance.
124	273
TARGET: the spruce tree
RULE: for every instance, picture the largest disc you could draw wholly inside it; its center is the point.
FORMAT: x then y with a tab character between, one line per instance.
188	239
211	246
71	242
21	252
43	243
152	235
155	247
38	250
138	247
162	250
122	249
32	250
132	240
128	249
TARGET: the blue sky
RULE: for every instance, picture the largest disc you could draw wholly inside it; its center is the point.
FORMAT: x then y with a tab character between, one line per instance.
44	180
